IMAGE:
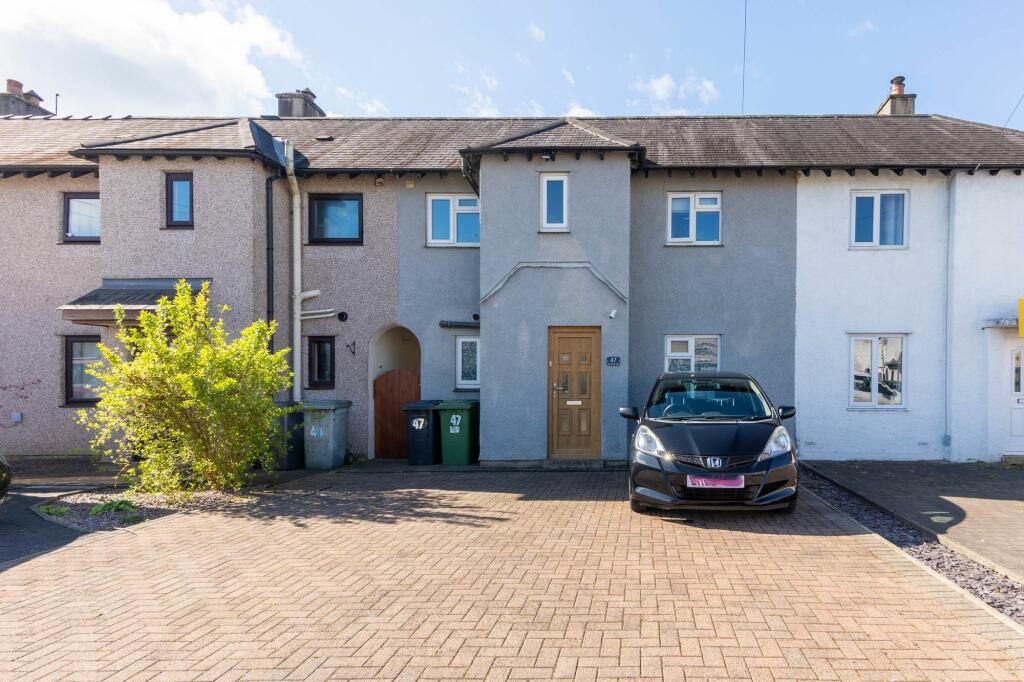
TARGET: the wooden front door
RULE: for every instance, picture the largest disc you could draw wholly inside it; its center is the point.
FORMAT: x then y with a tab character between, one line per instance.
574	392
391	390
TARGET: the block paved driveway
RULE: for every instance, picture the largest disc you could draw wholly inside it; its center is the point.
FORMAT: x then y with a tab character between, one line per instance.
490	576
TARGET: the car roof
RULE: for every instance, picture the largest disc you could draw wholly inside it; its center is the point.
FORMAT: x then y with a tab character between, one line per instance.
705	375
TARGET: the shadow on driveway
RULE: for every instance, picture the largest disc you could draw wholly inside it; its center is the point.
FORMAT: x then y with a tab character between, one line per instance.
22	532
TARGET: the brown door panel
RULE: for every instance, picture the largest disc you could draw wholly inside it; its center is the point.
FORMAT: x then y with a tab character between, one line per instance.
574	397
391	390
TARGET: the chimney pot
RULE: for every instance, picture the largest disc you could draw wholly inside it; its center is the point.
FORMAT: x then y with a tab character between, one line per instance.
898	85
299	103
14	87
33	98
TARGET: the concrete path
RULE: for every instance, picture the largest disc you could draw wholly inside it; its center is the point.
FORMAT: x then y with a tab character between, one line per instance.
22	532
491	576
977	509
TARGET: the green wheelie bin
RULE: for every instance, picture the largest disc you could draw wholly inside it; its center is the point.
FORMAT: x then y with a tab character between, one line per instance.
460	431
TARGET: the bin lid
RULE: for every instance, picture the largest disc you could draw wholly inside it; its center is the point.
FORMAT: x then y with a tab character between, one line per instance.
325	405
458	405
420	405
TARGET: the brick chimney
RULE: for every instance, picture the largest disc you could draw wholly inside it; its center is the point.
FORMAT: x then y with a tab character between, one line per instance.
15	101
299	103
897	103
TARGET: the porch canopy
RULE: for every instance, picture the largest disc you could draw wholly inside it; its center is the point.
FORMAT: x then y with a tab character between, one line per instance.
97	307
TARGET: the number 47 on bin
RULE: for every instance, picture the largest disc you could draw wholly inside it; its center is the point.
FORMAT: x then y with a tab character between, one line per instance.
455	423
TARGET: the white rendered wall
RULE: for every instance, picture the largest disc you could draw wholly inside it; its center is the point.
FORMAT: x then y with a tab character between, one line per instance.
841	291
988	278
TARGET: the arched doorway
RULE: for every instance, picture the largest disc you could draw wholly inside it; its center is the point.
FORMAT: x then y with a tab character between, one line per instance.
394	381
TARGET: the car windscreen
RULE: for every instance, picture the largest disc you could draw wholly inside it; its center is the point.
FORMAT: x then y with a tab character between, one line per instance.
696	398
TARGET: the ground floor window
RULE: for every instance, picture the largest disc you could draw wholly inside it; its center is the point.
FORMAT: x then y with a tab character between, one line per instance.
876	370
467	362
321	362
691	353
79	353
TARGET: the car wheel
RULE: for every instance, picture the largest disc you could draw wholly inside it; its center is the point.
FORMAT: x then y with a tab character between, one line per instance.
637	507
790	506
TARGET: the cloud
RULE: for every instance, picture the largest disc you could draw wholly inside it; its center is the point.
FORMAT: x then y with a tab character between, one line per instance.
490	81
475	102
521	59
459	68
370	106
577	109
567	74
860	29
144	56
536	32
665	95
535	108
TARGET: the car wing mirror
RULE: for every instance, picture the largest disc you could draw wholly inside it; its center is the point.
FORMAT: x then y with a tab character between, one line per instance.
629	413
787	411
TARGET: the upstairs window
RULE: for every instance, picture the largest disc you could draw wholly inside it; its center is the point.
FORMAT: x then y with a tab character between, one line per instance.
878	219
321	362
554	195
335	218
81	217
453	220
467	362
876	370
79	353
694	218
685	353
179	200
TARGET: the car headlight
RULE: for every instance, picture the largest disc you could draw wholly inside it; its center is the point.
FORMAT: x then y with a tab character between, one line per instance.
647	449
779	444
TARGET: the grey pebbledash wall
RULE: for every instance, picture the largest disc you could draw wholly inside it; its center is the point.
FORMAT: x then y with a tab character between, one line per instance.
435	283
743	290
515	319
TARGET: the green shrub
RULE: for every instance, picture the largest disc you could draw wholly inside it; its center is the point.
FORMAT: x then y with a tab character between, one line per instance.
111	506
54	509
184	408
133	519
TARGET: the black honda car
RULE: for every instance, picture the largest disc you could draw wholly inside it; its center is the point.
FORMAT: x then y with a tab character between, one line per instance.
711	440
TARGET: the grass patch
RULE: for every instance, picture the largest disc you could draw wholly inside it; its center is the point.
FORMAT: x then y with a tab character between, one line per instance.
112	506
54	509
133	519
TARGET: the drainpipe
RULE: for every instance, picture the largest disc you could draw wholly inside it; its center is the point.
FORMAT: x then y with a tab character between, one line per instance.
270	250
947	436
298	295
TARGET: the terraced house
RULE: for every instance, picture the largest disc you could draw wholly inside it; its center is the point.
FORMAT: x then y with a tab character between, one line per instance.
865	267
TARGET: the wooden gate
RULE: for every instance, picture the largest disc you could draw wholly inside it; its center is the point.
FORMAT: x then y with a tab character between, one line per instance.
390	391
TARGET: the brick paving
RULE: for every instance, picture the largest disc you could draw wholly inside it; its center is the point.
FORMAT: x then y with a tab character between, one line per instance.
490	576
975	508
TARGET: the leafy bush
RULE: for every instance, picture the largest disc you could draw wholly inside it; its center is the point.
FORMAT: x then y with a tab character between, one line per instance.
111	506
184	408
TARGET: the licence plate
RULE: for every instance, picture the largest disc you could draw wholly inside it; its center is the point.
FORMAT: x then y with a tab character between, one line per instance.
714	482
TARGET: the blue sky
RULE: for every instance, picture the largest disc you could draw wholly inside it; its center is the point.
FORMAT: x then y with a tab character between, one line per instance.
525	58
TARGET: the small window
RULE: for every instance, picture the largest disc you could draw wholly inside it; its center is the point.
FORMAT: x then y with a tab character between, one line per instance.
453	220
1017	356
335	218
81	217
79	353
179	200
876	370
467	362
879	219
321	362
694	218
554	191
691	353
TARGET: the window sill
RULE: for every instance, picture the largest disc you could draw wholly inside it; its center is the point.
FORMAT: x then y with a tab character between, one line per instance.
466	390
699	244
452	246
879	248
320	388
177	228
335	242
80	404
875	408
554	230
78	241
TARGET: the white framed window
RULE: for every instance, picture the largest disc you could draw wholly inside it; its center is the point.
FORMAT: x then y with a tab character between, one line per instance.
692	353
878	219
877	364
554	202
453	220
694	218
467	362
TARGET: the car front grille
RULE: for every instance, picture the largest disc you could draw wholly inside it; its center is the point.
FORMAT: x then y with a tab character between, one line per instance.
728	462
678	482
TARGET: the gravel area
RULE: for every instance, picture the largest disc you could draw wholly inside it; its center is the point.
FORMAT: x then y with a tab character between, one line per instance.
993	588
83	511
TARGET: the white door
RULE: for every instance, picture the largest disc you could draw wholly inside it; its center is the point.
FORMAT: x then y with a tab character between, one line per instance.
1014	442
